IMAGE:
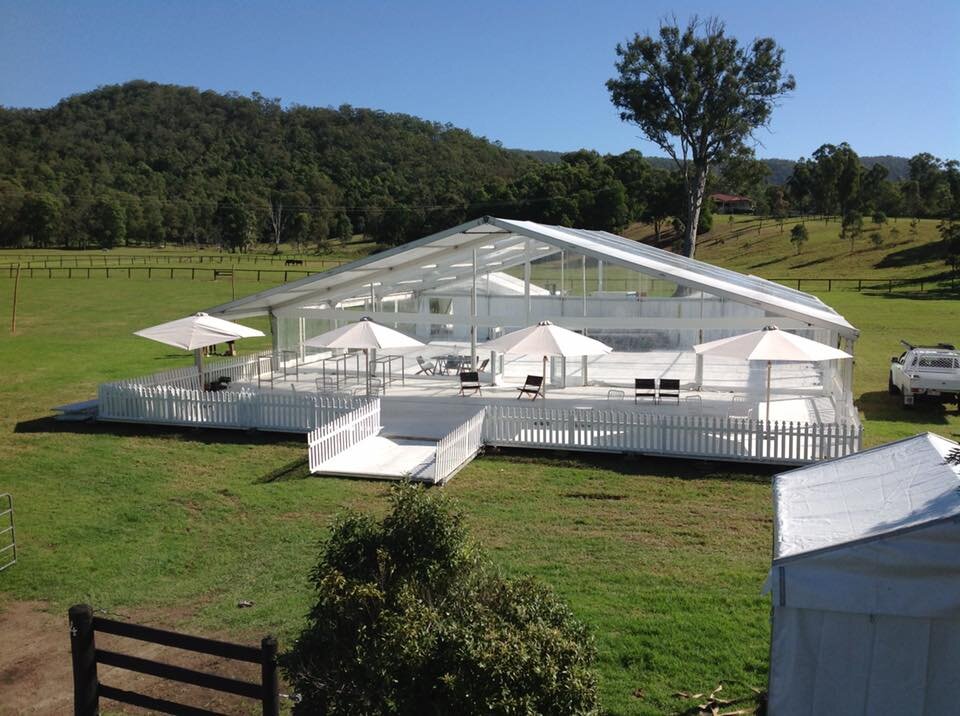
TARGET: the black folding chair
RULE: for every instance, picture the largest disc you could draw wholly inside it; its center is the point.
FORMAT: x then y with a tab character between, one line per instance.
532	387
644	388
670	389
470	381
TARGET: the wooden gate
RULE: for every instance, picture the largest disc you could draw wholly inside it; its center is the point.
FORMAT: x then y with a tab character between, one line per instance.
87	689
8	535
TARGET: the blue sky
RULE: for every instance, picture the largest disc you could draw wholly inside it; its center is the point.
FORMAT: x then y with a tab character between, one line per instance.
880	75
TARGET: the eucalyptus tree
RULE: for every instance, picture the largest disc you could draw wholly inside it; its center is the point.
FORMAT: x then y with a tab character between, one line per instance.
799	236
699	96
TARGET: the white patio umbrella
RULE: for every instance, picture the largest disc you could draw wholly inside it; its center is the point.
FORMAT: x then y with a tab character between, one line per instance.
771	344
547	339
366	334
196	332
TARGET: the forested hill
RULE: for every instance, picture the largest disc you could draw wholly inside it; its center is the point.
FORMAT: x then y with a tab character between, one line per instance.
144	163
780	169
179	153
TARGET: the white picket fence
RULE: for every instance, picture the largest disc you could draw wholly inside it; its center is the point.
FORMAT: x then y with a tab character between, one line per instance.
695	436
332	438
239	369
239	409
457	448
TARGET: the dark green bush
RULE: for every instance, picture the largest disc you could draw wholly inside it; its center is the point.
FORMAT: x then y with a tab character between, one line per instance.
411	618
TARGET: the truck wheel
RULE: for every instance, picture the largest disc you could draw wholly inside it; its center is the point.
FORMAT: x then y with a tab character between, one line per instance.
891	386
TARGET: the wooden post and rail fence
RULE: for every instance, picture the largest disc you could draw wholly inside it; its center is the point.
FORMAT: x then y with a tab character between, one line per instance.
88	689
235	272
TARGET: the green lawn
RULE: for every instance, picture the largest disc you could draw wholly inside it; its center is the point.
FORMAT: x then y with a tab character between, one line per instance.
764	250
663	559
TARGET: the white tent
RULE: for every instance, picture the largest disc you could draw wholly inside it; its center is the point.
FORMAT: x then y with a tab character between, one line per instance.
865	583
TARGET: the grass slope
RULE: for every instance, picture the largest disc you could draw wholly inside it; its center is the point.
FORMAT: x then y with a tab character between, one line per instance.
663	559
759	247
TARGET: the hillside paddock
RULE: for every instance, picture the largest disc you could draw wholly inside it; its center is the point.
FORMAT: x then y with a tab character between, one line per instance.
663	559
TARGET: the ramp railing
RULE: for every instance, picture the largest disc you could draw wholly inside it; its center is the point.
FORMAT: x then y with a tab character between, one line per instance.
329	440
458	447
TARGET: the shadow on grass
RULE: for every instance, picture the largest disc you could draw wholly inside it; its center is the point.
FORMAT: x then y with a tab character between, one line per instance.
640	465
769	263
814	262
294	470
941	292
880	405
50	425
924	253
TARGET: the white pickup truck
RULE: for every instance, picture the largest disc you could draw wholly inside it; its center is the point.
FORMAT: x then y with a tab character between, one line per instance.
926	371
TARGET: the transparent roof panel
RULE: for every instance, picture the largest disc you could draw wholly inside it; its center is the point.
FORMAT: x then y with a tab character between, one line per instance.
503	245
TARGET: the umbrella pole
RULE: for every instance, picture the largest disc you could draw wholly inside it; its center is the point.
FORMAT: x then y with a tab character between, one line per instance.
198	361
366	355
544	386
769	364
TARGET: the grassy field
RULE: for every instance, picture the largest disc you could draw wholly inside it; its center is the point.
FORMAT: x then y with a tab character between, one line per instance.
761	248
664	560
262	255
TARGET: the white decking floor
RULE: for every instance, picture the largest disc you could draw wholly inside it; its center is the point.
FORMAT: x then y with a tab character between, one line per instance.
730	387
406	446
383	457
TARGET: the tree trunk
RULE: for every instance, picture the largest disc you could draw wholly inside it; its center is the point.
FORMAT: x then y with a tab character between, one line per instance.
694	204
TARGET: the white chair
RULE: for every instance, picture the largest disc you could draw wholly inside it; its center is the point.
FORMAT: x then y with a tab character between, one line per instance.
427	367
616	394
738	408
693	404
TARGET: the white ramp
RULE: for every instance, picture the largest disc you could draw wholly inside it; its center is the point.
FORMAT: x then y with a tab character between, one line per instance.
398	440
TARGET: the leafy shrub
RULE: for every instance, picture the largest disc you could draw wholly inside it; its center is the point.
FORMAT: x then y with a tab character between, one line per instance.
411	618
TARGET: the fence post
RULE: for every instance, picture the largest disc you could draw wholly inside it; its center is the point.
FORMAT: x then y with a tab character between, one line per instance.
269	677
83	653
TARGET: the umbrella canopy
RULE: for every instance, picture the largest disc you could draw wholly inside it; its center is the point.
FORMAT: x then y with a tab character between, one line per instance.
365	334
546	339
771	344
197	331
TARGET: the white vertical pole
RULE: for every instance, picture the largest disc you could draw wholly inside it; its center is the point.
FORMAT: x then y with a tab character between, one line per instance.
473	315
600	276
526	282
198	361
562	265
583	276
769	364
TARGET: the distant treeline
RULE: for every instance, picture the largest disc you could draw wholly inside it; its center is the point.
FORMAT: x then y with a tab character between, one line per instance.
779	169
149	164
